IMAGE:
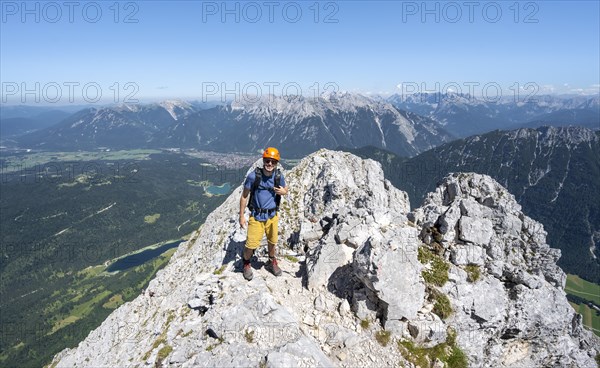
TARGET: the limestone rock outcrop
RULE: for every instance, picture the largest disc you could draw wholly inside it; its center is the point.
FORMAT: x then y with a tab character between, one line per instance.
516	313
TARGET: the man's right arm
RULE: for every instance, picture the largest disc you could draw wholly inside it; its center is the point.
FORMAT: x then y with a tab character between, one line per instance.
243	202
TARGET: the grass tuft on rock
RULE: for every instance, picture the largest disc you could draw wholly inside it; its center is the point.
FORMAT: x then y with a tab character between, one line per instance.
441	304
457	359
424	255
447	352
437	272
249	336
383	337
473	272
364	323
414	354
163	354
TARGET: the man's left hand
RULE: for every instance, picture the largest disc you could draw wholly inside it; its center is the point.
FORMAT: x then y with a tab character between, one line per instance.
280	190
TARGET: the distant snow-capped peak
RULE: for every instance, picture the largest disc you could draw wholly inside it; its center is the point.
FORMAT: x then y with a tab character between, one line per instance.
302	107
123	107
176	108
350	101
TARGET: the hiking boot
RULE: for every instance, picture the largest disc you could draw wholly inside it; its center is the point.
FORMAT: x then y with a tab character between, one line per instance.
248	272
272	267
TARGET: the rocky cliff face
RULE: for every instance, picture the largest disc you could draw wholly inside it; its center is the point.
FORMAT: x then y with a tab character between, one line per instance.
546	169
515	313
465	279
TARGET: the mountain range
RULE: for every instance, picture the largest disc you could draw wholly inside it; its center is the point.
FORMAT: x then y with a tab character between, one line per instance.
463	115
405	125
296	124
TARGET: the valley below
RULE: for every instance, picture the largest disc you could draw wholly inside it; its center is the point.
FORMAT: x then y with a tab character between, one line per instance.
80	231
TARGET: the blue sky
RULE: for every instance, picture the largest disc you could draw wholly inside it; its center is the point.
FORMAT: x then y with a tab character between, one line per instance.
148	50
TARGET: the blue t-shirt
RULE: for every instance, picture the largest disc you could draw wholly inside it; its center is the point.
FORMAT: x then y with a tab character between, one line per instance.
265	195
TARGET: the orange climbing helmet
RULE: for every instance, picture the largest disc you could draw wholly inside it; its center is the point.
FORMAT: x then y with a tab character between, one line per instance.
271	152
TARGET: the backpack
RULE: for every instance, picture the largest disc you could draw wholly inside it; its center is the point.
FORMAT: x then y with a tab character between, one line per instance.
256	183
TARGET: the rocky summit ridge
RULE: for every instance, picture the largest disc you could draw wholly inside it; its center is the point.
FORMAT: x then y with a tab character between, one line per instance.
467	279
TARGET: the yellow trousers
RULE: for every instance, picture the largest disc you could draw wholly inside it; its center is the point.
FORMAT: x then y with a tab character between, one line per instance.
257	229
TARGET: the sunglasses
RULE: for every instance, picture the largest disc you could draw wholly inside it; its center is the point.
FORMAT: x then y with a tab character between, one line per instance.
270	161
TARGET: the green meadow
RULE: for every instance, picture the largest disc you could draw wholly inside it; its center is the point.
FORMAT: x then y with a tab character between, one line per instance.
585	291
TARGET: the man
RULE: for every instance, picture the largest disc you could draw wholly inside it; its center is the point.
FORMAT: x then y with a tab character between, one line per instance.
263	210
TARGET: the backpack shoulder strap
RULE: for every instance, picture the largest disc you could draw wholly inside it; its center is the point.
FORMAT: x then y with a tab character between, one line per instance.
277	182
257	178
255	184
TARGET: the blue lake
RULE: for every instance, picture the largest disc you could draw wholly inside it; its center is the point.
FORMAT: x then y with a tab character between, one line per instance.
140	258
219	190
